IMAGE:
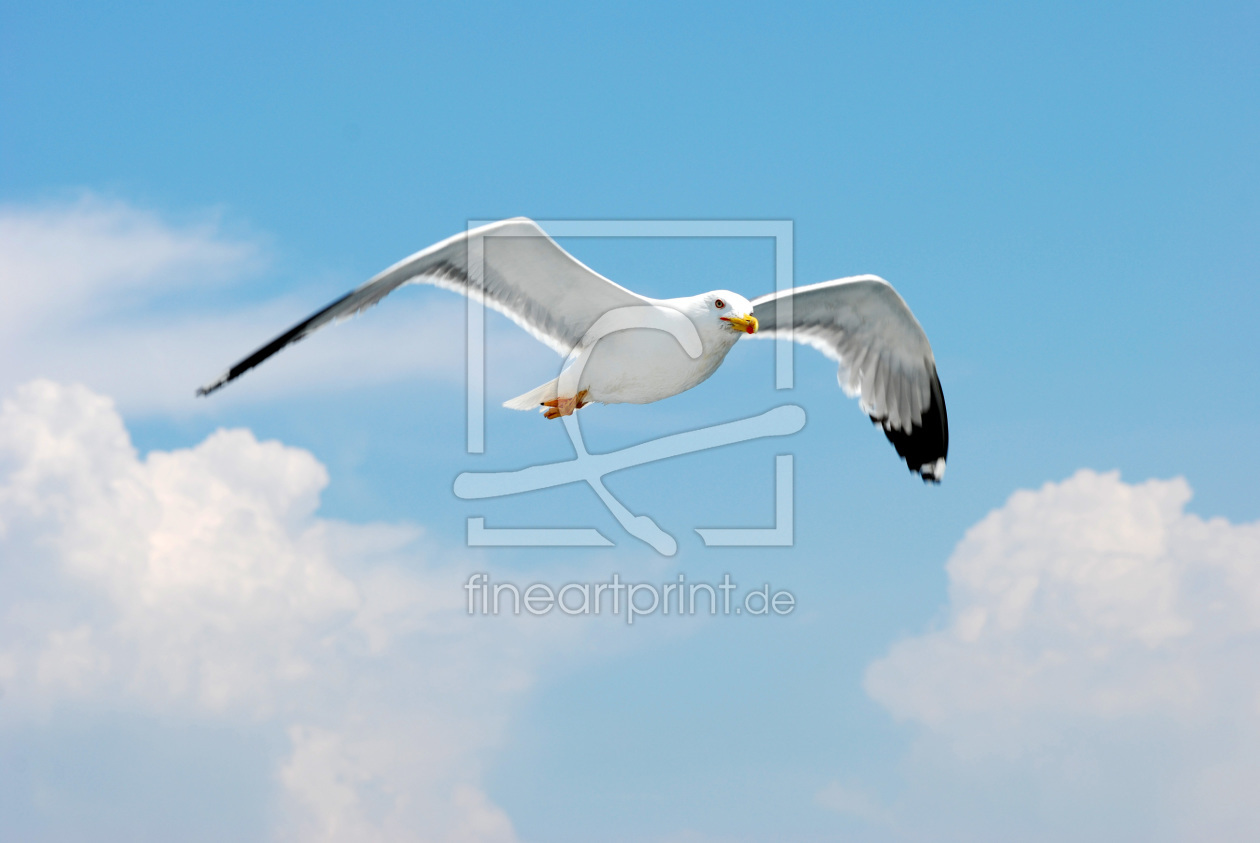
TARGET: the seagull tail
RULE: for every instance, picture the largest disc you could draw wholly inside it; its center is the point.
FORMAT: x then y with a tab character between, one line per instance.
533	399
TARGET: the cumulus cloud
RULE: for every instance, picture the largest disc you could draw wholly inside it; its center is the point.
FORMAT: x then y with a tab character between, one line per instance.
201	583
145	310
1104	643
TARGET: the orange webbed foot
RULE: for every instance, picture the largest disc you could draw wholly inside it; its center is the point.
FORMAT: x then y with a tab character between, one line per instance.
558	407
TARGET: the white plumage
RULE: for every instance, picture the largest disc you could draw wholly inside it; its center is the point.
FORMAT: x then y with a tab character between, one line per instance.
513	266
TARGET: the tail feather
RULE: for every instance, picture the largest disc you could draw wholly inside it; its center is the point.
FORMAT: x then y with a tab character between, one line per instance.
533	399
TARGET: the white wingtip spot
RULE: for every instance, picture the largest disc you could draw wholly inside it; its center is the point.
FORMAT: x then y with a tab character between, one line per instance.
934	471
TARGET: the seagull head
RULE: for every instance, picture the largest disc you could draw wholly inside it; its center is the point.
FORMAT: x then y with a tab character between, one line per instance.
733	310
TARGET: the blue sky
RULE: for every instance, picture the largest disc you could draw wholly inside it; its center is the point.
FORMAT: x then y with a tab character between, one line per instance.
1066	195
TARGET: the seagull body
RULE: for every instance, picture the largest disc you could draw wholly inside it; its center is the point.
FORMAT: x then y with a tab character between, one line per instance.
667	346
640	365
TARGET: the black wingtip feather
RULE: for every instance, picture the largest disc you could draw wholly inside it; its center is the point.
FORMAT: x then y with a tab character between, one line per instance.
287	338
927	442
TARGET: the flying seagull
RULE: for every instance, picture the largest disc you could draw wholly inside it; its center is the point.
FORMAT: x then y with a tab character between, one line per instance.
513	266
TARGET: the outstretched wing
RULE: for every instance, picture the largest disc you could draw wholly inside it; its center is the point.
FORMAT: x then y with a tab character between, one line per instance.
513	266
885	359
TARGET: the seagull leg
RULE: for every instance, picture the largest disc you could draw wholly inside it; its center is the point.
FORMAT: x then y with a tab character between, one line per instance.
558	407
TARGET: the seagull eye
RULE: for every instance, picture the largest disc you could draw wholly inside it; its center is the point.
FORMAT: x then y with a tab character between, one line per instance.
719	304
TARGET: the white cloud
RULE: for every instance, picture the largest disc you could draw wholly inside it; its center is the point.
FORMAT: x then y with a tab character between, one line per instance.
1092	624
73	259
200	583
136	307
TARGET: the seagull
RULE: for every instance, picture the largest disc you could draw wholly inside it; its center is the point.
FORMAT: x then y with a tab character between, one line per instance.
885	360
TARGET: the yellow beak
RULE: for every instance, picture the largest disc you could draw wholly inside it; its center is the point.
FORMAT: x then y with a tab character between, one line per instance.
746	324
